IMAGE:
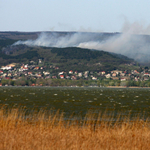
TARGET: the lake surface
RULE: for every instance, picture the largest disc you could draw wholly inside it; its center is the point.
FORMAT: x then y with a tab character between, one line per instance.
78	100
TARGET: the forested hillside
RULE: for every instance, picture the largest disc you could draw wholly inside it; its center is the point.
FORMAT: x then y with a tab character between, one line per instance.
69	58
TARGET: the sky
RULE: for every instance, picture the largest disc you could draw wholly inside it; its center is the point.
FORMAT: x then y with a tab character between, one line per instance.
73	15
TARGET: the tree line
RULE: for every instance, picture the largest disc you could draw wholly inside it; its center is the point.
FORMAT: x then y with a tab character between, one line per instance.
24	81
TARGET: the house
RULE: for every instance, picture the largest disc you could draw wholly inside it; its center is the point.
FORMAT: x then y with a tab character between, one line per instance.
122	74
54	77
122	79
25	68
20	69
115	78
75	72
114	75
67	77
39	75
40	61
136	79
103	72
46	73
73	78
107	75
85	75
135	71
127	78
86	72
80	74
60	73
61	76
146	74
4	75
47	77
116	71
29	73
94	78
9	75
36	68
56	68
22	66
70	72
146	78
129	74
1	72
15	74
6	67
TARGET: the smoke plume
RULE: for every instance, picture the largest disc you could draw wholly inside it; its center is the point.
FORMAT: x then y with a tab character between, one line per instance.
133	42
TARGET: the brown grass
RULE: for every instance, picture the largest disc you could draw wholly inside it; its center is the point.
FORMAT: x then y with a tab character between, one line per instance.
39	131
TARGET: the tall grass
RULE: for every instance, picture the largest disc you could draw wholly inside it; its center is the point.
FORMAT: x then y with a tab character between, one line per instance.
43	131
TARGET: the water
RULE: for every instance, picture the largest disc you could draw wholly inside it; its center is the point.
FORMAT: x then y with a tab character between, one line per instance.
78	100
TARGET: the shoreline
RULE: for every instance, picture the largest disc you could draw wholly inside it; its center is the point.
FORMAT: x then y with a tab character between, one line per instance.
132	87
124	87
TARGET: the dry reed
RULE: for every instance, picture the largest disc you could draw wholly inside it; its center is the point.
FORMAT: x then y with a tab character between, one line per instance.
40	131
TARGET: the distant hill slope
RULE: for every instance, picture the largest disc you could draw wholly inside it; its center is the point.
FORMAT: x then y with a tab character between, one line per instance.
18	35
69	58
34	35
132	46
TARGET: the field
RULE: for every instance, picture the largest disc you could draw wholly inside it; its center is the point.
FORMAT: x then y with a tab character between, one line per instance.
41	131
74	118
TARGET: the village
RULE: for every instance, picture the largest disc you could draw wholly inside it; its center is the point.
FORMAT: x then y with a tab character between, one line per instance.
13	72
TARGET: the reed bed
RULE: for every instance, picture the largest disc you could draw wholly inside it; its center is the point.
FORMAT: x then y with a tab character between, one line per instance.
43	131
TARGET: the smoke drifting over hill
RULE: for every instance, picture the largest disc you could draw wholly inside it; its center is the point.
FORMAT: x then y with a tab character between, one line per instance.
131	42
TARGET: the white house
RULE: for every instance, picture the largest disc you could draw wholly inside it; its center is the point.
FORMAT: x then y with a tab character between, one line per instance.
107	75
6	67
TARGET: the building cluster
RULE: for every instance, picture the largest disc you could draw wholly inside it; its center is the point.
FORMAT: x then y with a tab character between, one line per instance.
16	71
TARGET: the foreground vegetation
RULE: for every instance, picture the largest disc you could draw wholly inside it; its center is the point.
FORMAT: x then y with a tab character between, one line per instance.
42	131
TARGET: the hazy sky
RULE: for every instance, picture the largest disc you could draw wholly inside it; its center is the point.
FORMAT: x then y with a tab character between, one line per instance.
72	15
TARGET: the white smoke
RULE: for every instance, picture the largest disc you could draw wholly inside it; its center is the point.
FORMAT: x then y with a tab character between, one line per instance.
132	39
58	40
131	42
